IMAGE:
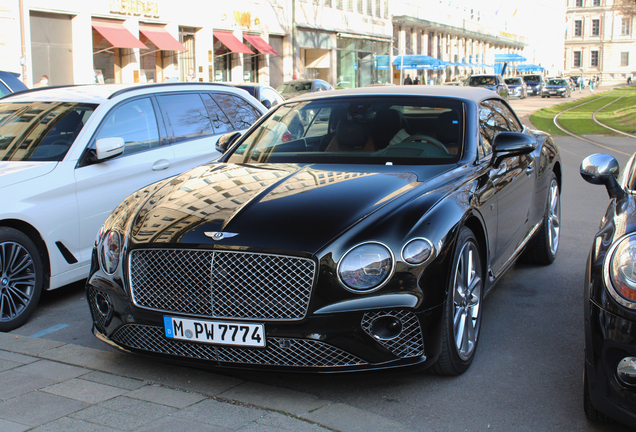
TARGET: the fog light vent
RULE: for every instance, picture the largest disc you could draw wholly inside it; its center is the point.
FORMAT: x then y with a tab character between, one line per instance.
397	331
626	370
101	308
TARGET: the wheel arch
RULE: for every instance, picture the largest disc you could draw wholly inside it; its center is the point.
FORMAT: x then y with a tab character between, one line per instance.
35	236
475	224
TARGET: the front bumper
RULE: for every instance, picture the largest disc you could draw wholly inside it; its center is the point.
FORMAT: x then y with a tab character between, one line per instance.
534	91
609	338
336	342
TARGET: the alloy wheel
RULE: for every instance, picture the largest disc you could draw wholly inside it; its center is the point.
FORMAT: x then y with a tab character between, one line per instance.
467	300
554	217
17	280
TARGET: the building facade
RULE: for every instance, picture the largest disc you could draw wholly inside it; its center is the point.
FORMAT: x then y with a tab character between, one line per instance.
599	41
136	41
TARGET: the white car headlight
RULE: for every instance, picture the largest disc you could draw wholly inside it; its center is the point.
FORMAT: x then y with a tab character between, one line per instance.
622	271
109	251
417	251
366	267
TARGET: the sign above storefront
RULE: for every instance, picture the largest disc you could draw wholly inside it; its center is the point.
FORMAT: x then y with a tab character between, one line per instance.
135	7
242	19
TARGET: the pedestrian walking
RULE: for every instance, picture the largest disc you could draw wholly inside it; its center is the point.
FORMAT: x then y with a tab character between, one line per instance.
592	81
408	80
416	81
579	81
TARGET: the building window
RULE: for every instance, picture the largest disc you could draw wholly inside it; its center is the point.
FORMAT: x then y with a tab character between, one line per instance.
625	58
577	59
596	3
360	8
596	27
625	27
386	9
328	3
370	7
593	58
350	5
378	8
579	3
578	28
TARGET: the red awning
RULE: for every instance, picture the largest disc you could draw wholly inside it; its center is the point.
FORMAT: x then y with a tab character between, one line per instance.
115	33
231	42
161	38
260	44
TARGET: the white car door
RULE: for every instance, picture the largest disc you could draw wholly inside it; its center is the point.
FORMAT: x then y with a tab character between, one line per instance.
102	185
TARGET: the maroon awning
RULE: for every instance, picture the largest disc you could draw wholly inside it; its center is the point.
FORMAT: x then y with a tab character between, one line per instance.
260	44
161	38
115	33
231	42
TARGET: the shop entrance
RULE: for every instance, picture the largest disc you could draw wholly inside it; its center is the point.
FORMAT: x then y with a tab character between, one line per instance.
52	47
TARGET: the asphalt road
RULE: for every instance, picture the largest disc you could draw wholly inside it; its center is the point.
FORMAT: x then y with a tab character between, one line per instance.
528	371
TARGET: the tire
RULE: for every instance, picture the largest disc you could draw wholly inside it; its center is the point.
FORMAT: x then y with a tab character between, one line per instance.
21	278
544	246
590	411
462	309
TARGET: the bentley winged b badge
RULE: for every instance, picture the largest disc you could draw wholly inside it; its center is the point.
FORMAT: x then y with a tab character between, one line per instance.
218	235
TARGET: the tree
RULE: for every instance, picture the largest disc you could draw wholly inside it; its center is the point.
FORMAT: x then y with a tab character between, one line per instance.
626	7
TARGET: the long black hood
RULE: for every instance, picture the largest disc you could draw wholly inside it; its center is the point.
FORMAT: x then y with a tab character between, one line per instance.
298	207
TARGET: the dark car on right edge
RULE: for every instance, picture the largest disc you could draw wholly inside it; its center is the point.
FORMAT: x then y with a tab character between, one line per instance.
610	297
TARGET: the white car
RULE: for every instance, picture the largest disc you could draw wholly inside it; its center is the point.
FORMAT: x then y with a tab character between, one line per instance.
70	155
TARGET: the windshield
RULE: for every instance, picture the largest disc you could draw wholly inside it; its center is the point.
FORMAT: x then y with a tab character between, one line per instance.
40	131
478	81
532	78
513	81
296	87
559	81
378	130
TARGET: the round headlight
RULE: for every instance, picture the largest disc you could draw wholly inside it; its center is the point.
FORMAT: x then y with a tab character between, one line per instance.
366	267
110	251
622	268
417	251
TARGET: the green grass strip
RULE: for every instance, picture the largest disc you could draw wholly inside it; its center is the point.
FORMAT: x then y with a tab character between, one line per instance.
620	115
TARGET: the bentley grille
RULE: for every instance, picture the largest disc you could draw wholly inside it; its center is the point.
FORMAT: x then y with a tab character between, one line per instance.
222	284
279	351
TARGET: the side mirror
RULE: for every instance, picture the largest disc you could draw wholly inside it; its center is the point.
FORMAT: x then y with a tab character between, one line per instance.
107	148
602	169
266	103
509	144
226	141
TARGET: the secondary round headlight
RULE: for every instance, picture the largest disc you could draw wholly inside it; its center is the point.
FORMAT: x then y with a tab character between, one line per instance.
366	267
110	250
622	268
417	251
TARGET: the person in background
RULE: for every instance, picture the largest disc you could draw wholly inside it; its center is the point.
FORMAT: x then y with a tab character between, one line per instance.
416	81
579	81
44	81
592	81
408	80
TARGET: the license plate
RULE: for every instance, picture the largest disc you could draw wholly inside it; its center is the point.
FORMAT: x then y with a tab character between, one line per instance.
215	332
552	92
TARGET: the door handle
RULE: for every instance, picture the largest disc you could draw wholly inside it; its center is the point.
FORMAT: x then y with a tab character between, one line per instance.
161	165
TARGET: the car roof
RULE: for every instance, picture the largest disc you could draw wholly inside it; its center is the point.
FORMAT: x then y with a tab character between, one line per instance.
476	94
99	93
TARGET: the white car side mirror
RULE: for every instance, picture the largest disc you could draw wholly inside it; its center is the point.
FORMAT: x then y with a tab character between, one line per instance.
106	148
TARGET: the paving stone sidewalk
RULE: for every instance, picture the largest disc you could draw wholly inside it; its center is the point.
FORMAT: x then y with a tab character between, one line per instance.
49	386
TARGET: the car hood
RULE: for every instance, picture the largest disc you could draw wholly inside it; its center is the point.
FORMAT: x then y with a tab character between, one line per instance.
299	208
17	172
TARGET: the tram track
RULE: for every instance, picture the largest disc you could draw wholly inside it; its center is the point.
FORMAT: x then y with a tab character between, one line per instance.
582	138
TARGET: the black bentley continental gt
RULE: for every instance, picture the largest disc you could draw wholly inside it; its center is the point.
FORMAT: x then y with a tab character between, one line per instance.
610	297
349	230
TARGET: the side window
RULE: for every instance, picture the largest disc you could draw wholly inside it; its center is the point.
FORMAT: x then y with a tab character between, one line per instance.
4	90
219	120
490	124
511	121
240	112
320	123
185	114
135	122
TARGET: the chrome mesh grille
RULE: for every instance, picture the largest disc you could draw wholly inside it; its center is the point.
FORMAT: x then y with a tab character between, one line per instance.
222	284
279	351
409	343
98	318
